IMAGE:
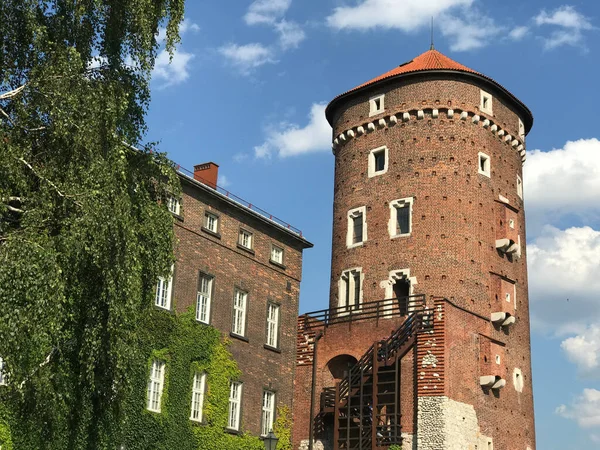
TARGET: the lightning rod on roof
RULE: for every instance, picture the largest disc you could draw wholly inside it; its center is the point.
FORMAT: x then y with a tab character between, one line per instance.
432	47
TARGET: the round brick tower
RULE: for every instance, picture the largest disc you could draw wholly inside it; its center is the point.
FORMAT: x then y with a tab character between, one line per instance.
429	200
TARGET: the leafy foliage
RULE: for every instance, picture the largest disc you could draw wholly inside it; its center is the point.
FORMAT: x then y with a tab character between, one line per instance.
283	428
83	231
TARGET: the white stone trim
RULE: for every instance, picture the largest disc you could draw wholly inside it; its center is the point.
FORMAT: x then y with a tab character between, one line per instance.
394	205
487	164
371	163
518	382
519	187
484	106
361	210
388	286
373	109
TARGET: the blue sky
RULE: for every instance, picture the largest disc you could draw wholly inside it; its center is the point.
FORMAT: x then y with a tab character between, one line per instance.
247	88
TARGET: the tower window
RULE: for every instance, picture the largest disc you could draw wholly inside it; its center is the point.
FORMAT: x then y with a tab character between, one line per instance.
245	239
519	187
376	105
484	164
485	104
521	130
378	161
400	223
350	289
357	227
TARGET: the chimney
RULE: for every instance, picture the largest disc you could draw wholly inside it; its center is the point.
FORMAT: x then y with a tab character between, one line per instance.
207	173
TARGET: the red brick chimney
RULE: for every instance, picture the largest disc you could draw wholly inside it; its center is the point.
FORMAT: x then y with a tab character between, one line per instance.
207	173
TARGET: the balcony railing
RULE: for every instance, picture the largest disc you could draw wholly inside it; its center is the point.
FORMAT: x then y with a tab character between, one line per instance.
380	309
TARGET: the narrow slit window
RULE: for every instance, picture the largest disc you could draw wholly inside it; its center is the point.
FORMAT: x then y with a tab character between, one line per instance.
198	389
357	229
484	164
155	386
268	412
376	105
240	301
519	187
400	223
235	397
378	161
357	232
273	325
486	103
350	295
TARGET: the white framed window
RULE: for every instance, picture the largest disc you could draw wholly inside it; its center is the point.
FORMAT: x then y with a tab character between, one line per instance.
203	298
245	239
198	390
521	130
276	254
268	412
511	223
235	401
376	105
483	164
357	227
498	359
2	372
273	325
485	104
350	289
507	297
173	204
519	187
211	222
400	223
155	386
378	161
164	287
240	301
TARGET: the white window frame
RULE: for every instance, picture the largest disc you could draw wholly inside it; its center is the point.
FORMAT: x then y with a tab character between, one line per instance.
215	227
372	169
352	214
393	278
373	110
245	238
198	390
393	222
204	298
235	405
519	187
268	412
164	289
521	130
275	250
347	290
174	205
240	306
487	164
3	375
488	109
156	384
273	312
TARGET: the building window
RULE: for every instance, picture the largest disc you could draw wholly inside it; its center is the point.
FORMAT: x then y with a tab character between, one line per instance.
273	325
357	227
483	166
400	223
376	105
521	130
155	385
235	397
486	103
276	254
350	290
519	187
498	359
203	298
240	300
198	389
211	222
245	239
164	287
173	205
378	161
268	412
2	373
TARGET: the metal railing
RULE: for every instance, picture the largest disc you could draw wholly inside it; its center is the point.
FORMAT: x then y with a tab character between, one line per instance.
328	398
380	309
241	201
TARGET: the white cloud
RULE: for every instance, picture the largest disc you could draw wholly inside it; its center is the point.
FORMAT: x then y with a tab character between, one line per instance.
570	22
470	31
290	34
585	409
266	11
584	350
293	140
223	181
172	71
518	33
240	157
247	57
563	279
563	183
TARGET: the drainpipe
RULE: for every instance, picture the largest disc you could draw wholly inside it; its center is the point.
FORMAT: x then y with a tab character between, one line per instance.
311	427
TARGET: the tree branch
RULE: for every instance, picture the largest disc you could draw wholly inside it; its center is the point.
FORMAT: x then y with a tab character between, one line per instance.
11	94
54	186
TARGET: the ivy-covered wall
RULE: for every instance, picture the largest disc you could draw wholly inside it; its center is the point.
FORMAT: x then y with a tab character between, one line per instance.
186	347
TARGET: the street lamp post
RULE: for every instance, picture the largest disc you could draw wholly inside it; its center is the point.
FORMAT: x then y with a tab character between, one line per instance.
271	441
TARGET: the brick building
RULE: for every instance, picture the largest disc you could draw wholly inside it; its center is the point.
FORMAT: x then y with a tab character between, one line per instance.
426	341
239	269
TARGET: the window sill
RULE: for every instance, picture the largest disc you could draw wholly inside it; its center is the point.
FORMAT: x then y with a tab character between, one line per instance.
246	249
485	174
160	308
231	431
237	336
357	245
272	349
203	423
376	174
275	263
177	216
403	235
212	233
